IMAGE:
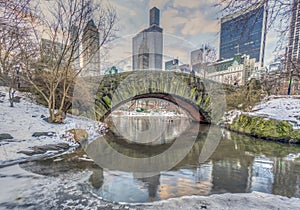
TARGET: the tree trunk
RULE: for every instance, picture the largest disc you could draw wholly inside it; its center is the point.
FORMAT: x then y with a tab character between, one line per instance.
11	94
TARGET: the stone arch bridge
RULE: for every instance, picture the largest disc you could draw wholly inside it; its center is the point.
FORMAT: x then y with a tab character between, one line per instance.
203	100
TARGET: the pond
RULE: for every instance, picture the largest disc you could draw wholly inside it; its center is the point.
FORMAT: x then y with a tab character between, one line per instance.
144	159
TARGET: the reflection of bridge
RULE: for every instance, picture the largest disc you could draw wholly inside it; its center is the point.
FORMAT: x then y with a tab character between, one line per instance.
195	95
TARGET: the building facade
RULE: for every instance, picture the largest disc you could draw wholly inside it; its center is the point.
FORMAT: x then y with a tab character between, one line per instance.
172	64
293	49
245	33
201	57
75	46
91	50
147	46
233	71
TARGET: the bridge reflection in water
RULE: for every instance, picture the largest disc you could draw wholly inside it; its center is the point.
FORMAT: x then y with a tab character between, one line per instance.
239	164
150	130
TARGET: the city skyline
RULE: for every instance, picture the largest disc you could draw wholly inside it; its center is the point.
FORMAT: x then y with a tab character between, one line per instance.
187	26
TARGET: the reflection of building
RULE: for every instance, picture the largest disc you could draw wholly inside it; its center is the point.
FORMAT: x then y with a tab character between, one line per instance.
90	49
152	184
293	53
244	33
147	46
236	70
262	175
230	175
286	178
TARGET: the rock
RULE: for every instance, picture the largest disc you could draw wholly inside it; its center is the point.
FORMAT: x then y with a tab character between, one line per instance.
43	149
73	111
102	128
17	99
79	134
5	136
59	117
39	134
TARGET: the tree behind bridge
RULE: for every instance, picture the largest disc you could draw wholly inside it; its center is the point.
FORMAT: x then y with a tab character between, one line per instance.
57	37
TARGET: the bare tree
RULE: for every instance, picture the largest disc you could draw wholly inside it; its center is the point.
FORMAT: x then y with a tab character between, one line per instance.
13	37
58	34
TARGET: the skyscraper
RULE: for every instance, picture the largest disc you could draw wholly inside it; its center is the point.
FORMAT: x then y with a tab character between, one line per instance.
147	46
293	49
75	46
90	49
245	33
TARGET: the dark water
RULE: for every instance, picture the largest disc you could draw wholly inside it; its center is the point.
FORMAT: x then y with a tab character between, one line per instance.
183	159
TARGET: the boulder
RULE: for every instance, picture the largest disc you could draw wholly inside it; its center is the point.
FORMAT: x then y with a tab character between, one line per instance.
39	134
59	117
79	134
17	99
45	148
5	136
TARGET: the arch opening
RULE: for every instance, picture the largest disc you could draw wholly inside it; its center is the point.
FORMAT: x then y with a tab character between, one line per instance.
191	109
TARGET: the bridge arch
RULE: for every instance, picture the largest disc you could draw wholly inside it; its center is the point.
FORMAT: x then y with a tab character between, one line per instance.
197	96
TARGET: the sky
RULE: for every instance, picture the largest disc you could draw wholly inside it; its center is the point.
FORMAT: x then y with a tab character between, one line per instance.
187	25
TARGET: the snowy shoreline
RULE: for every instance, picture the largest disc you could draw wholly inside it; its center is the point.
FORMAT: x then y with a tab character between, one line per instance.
23	121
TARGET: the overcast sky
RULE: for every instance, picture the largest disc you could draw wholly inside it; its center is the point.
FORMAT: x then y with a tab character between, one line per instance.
187	25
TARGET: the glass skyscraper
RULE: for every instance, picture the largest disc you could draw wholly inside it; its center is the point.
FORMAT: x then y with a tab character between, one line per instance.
147	46
244	33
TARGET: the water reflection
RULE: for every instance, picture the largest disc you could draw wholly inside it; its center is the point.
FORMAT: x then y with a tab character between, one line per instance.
150	130
239	164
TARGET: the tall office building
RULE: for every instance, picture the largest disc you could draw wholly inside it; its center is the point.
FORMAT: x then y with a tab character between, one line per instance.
293	49
75	44
147	46
90	49
244	33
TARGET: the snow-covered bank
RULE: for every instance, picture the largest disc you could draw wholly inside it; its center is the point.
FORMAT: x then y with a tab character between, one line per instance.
25	119
247	201
275	118
279	108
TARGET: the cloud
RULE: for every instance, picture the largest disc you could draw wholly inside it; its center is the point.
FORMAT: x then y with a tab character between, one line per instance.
197	23
192	23
192	4
171	21
131	15
160	4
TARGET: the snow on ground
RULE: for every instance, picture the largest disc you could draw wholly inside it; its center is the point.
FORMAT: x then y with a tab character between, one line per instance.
236	201
273	107
26	118
280	108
